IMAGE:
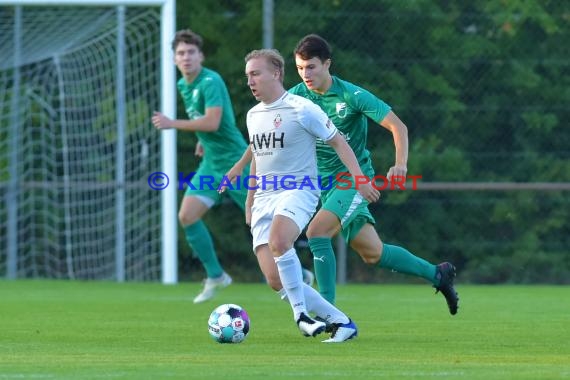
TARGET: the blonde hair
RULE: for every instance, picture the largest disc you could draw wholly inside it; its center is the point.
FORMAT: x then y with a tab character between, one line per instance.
272	56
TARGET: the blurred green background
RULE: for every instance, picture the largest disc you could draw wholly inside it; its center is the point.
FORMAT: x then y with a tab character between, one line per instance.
484	89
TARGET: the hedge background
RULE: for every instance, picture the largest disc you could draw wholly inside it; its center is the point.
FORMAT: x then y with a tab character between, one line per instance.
484	88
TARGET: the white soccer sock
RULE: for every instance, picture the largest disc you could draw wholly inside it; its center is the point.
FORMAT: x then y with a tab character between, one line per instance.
283	295
318	305
323	308
291	276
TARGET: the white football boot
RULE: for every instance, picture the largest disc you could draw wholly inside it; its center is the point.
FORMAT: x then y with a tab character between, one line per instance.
211	286
310	327
341	332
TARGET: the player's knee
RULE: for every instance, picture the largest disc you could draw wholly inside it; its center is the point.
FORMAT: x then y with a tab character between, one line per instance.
311	232
279	246
371	260
316	230
186	219
182	218
369	257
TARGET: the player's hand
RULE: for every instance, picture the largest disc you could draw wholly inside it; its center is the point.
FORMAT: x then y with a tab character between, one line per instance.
199	150
397	174
369	192
160	121
231	175
248	215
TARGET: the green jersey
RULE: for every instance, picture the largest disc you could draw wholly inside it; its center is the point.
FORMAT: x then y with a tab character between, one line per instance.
225	146
349	107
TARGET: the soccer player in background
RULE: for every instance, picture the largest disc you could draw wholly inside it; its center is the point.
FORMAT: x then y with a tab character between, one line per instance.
283	131
345	210
220	143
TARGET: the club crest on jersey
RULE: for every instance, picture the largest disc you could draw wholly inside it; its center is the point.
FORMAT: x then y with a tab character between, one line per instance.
193	114
341	110
277	121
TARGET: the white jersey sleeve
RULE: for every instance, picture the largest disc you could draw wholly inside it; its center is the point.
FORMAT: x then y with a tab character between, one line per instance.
316	121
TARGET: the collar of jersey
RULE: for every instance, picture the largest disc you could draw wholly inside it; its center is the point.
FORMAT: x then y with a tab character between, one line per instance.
196	80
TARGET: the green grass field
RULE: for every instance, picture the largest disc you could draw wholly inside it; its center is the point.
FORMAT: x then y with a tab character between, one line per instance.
94	330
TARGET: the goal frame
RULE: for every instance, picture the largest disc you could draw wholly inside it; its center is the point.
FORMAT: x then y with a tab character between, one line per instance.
169	227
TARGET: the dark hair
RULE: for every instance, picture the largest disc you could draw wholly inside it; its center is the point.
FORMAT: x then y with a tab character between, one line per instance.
312	46
187	36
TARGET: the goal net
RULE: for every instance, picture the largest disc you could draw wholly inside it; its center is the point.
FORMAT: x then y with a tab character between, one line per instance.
77	89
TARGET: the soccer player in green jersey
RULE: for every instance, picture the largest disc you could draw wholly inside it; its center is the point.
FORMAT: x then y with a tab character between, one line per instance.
344	210
220	143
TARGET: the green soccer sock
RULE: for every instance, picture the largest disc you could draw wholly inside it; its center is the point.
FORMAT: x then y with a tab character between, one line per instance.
401	260
325	266
200	240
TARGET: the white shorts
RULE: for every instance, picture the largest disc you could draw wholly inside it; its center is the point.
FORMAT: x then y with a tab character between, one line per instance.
208	202
297	205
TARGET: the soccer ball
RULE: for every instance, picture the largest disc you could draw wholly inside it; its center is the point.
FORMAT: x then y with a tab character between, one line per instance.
228	323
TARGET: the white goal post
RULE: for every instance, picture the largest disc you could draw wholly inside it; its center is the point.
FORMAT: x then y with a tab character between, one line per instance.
20	128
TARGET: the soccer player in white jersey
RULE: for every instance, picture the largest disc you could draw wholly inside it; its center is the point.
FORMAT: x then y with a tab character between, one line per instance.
283	130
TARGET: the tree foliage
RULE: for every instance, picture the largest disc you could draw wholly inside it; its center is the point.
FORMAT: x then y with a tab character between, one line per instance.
483	87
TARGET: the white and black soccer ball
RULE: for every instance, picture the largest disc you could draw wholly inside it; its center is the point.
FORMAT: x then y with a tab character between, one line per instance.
228	323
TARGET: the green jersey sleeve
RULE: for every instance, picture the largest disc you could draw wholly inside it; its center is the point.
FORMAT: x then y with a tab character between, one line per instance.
366	103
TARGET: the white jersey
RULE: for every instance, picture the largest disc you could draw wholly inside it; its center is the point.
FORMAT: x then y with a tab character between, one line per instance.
283	138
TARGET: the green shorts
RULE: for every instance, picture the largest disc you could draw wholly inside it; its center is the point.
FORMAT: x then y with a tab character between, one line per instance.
206	181
348	205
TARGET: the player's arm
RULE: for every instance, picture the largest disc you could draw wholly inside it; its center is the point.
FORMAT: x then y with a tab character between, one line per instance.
252	187
238	167
210	122
236	170
400	134
199	150
346	155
